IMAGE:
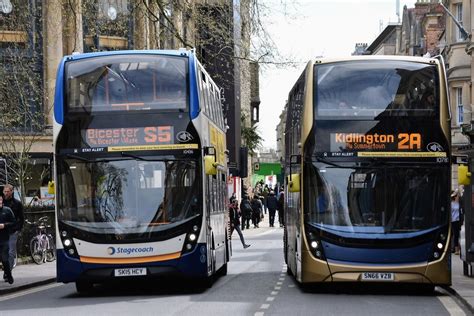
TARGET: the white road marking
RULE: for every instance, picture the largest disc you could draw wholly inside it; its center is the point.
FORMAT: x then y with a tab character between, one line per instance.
451	306
274	293
277	287
265	306
270	299
259	314
31	291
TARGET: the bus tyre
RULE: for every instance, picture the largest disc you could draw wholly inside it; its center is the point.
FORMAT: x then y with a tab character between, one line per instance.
428	289
206	282
285	246
223	270
84	287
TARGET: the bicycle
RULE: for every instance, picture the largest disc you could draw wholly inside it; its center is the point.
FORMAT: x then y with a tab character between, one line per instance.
42	245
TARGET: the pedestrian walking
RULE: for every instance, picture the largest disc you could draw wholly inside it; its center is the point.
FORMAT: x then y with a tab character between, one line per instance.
235	222
272	204
265	197
246	211
17	208
7	221
281	213
455	221
257	209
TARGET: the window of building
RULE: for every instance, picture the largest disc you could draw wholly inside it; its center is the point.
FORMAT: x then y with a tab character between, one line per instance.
458	12
459	106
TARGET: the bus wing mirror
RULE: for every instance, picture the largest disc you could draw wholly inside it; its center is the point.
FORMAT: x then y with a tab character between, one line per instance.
51	187
464	176
209	151
294	182
295	159
210	165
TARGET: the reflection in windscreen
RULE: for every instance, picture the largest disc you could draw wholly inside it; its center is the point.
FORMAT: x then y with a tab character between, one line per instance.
372	88
132	82
127	196
376	200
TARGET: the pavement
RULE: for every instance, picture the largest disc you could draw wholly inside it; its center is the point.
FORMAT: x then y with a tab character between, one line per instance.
32	275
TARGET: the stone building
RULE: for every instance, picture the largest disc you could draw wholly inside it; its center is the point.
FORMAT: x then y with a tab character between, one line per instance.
36	34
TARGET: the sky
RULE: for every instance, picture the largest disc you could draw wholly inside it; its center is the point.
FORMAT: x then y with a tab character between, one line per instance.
310	29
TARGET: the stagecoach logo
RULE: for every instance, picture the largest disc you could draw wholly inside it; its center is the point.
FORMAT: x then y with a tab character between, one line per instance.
184	137
434	147
129	250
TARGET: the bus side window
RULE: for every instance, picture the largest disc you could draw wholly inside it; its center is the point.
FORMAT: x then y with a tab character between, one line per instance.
219	110
201	98
209	100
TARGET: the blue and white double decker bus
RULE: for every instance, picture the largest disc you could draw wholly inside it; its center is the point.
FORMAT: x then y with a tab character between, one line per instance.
140	168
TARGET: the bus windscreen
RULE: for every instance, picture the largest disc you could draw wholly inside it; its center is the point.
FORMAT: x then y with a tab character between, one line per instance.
126	83
374	89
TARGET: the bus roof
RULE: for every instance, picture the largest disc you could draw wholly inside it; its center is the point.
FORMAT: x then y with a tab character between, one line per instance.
78	56
378	57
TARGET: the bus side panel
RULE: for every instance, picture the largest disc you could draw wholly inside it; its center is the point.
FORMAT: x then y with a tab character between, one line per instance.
67	268
313	270
439	272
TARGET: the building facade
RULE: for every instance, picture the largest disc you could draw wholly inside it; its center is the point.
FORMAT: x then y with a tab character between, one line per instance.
36	34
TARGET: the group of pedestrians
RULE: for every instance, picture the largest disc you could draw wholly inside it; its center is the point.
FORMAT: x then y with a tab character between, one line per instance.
11	223
251	212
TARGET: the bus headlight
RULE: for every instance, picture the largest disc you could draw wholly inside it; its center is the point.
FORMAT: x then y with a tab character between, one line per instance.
191	238
67	242
315	245
440	244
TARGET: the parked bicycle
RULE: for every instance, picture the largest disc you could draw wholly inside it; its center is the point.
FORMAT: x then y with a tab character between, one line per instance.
42	245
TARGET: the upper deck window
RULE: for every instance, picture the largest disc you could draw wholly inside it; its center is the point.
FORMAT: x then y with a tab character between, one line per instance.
126	83
374	89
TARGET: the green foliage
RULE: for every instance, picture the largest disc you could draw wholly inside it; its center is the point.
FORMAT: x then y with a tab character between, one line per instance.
250	136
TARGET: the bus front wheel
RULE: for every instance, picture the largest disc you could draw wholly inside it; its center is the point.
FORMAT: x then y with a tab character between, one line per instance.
84	287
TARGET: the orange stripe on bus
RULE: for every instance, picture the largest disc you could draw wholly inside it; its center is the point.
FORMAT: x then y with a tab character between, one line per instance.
168	256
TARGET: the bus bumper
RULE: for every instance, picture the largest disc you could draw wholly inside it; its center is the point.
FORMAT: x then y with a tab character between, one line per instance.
432	273
192	264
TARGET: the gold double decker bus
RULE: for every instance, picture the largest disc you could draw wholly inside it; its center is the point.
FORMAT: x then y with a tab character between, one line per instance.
367	159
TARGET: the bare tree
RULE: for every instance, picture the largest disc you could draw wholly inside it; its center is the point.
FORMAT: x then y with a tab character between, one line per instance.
22	118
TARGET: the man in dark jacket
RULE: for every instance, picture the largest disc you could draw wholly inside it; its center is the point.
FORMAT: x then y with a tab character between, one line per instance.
235	222
257	210
246	212
272	204
17	208
7	221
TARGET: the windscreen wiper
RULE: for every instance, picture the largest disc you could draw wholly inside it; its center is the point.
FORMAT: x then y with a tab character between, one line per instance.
124	154
373	164
327	162
78	158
